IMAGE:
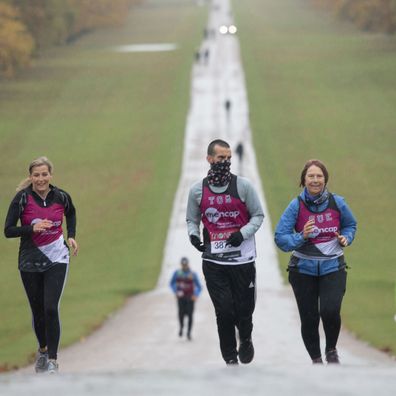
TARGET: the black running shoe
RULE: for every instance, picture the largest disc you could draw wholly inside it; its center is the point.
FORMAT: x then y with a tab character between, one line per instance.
246	351
317	360
232	362
332	357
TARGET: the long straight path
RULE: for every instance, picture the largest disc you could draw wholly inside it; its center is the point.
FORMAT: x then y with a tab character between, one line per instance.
137	351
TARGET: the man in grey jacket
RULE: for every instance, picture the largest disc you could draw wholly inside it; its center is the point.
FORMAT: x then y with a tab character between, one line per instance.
230	211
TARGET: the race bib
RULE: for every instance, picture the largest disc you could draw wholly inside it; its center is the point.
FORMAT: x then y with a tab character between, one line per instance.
218	244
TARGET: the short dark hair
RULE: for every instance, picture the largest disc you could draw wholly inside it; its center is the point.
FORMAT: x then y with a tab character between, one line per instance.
317	163
216	142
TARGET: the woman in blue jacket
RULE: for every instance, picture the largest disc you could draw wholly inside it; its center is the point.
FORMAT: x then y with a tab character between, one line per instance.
316	227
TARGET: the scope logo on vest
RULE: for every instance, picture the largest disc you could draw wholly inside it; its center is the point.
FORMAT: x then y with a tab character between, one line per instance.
213	215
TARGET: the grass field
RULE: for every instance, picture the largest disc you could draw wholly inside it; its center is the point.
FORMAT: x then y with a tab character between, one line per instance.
318	88
113	124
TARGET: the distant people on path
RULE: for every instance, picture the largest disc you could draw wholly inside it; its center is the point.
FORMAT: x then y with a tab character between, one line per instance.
316	227
202	56
43	253
231	213
186	286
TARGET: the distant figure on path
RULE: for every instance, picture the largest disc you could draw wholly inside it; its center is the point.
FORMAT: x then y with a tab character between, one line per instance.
206	56
186	286
231	213
43	253
239	151
197	56
227	106
316	227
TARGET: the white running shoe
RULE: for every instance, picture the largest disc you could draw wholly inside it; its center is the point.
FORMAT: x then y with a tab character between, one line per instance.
52	366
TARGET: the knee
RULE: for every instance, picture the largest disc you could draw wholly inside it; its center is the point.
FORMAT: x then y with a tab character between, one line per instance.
51	311
329	313
225	311
310	319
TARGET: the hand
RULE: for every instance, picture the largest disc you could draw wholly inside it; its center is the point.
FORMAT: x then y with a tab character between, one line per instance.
73	245
196	242
308	228
341	239
42	225
193	297
235	239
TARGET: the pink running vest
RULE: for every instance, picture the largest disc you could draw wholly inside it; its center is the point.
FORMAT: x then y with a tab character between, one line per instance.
322	243
223	214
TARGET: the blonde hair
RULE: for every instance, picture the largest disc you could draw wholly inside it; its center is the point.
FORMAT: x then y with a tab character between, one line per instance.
37	162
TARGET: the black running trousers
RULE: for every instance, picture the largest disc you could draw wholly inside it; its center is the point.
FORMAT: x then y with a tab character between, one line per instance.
319	297
44	290
232	289
186	308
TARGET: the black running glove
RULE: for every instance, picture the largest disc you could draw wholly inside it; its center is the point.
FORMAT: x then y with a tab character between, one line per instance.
196	242
235	239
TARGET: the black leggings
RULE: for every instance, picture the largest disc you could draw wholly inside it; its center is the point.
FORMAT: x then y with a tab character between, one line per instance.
232	289
186	308
319	297
44	290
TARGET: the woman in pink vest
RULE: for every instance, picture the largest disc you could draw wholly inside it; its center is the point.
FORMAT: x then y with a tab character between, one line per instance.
43	253
316	227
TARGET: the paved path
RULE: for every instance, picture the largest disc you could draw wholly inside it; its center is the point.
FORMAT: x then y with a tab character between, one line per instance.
137	351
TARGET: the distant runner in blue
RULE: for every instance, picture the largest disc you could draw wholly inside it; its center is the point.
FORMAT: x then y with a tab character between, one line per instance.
186	286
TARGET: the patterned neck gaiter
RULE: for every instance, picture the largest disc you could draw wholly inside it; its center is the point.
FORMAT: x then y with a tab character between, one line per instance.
317	199
219	173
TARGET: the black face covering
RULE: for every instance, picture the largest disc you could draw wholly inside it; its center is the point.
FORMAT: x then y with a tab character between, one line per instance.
219	173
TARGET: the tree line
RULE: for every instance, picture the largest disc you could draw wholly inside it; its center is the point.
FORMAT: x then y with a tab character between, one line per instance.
369	15
27	26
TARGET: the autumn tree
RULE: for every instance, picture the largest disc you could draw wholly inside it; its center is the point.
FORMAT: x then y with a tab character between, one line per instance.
16	44
31	25
370	15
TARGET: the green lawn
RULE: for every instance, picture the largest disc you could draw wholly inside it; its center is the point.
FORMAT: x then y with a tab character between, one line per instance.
113	124
318	88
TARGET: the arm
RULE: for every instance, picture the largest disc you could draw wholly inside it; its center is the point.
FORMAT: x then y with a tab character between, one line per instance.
11	230
70	214
348	221
193	214
285	236
172	282
197	284
249	195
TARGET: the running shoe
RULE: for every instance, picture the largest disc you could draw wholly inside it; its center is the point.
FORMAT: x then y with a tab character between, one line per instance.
52	366
317	360
332	357
246	351
40	365
232	362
